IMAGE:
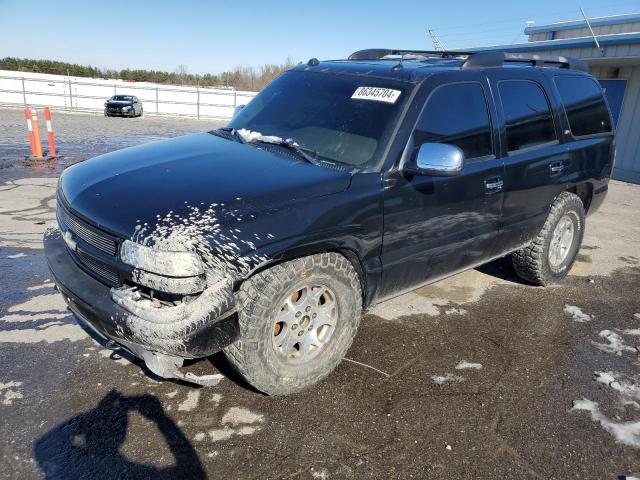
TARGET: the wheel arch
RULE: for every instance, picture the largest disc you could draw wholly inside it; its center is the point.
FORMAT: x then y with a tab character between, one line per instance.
584	191
347	252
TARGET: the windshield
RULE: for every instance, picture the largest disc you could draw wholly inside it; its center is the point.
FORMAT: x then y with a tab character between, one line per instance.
122	98
341	118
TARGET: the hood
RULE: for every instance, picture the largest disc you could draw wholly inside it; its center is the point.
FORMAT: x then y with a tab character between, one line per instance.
119	102
134	186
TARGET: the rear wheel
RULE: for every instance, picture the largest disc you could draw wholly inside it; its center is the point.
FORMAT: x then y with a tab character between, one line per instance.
550	256
297	321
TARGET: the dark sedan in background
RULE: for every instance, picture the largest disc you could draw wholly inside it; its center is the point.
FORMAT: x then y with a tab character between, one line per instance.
123	106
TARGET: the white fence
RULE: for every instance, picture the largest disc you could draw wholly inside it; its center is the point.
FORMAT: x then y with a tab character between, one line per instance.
81	94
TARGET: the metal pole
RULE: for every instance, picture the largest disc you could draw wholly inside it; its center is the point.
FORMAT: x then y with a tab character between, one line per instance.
235	99
156	100
198	97
70	93
24	93
114	89
595	39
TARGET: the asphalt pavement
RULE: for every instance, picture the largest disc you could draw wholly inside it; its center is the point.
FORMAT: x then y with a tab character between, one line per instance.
476	376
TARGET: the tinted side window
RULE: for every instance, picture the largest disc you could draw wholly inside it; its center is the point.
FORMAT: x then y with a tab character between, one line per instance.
457	114
527	116
584	104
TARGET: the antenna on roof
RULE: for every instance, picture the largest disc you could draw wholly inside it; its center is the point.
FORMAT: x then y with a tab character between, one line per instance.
437	43
595	39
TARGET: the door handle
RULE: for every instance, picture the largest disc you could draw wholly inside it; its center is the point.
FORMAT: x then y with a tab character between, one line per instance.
494	185
556	168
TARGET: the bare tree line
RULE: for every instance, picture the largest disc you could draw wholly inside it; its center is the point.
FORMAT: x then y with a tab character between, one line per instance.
240	78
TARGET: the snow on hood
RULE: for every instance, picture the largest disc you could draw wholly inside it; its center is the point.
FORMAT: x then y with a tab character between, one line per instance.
251	136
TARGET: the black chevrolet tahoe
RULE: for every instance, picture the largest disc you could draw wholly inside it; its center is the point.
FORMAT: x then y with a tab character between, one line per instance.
341	184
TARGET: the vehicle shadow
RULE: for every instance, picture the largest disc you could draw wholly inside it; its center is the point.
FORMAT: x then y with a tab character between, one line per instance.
502	268
88	445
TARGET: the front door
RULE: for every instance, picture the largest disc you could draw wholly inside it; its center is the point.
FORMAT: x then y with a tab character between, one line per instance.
435	226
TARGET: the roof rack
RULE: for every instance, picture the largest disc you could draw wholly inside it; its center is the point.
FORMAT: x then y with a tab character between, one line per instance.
498	59
474	60
379	53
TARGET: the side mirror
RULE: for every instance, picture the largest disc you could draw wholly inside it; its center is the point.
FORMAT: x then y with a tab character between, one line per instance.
237	109
437	159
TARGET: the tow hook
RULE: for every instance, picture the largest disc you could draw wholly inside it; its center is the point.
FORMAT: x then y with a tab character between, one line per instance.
166	366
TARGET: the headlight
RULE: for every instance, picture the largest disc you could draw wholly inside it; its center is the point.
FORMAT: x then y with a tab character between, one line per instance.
171	264
127	107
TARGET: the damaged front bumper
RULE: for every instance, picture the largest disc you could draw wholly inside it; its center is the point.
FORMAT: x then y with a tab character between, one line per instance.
162	336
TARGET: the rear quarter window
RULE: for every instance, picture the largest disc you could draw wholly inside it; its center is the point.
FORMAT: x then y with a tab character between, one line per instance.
585	106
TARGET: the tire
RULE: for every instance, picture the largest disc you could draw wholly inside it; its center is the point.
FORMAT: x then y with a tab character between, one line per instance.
140	112
282	370
545	260
105	113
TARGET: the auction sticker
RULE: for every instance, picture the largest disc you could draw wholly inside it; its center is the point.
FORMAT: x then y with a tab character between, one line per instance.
376	94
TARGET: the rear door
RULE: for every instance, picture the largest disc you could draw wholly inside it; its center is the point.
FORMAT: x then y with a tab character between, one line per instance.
435	226
535	162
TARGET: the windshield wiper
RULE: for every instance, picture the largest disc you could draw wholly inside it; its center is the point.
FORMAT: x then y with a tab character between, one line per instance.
234	133
248	137
294	147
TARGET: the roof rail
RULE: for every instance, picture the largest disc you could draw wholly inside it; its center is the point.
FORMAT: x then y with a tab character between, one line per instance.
379	53
498	59
474	60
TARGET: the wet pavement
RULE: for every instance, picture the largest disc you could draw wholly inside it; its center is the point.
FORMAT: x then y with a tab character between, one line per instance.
477	376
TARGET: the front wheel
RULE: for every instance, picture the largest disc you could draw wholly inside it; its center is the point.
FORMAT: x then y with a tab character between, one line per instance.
297	321
550	256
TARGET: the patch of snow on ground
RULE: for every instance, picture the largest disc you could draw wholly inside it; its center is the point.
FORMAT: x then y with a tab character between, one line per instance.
237	416
321	474
616	343
628	387
9	392
191	401
631	331
447	378
577	314
41	286
242	419
459	311
627	433
17	255
464	364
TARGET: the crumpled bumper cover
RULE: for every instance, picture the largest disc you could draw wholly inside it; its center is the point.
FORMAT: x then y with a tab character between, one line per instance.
173	333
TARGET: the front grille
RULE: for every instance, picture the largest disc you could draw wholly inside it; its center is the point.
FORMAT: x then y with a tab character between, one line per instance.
91	235
99	268
92	263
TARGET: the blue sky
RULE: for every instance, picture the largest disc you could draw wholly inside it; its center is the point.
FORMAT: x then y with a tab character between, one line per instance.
211	36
